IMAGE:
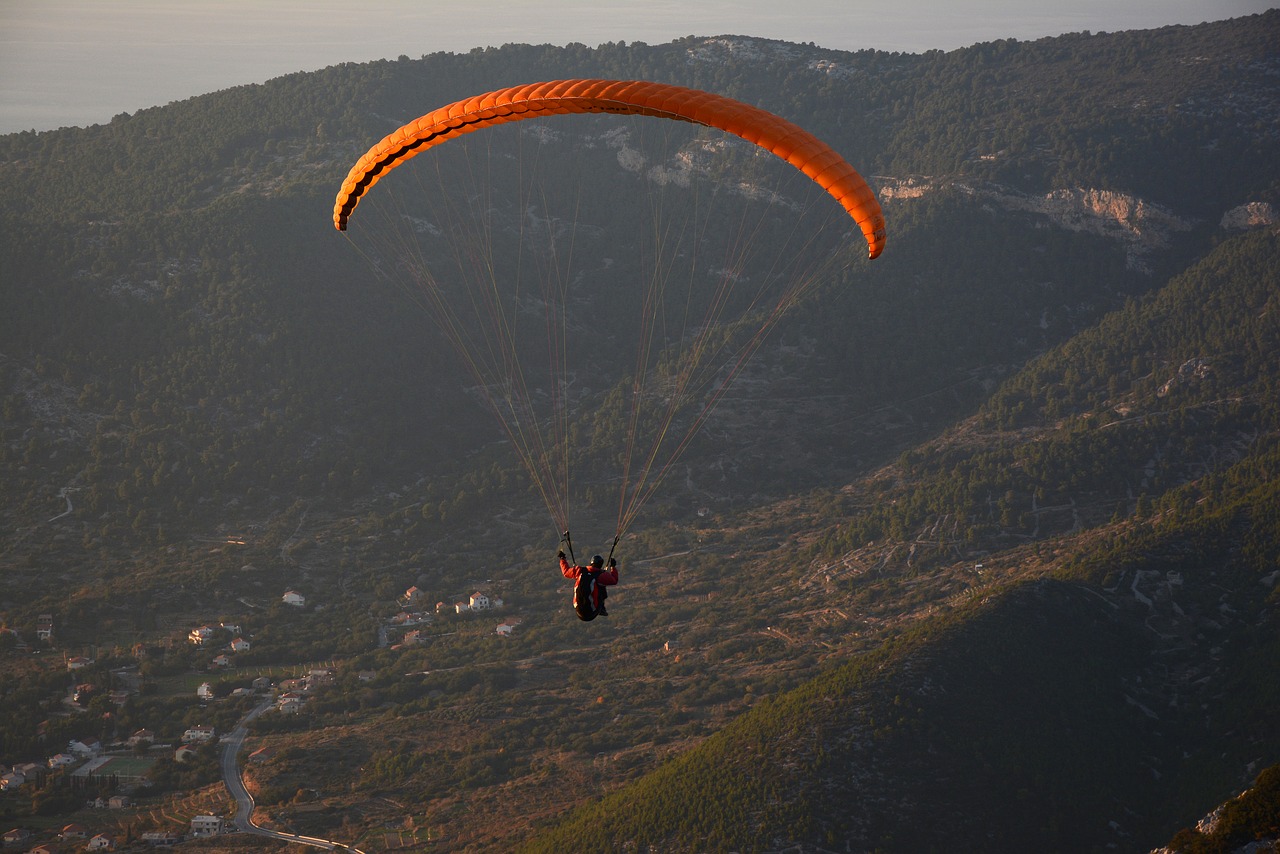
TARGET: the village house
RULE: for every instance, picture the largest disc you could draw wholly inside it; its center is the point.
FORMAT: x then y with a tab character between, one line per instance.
62	760
87	746
223	660
366	675
74	831
161	837
119	802
101	842
205	691
290	703
44	627
294	598
30	770
232	629
43	848
410	618
202	635
505	628
206	825
413	595
479	602
11	781
199	735
184	753
262	683
240	645
77	662
17	836
142	736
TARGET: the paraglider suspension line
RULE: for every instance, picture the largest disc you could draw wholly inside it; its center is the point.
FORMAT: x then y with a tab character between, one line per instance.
569	541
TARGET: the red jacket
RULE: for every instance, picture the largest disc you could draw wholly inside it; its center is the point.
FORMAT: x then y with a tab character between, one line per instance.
607	576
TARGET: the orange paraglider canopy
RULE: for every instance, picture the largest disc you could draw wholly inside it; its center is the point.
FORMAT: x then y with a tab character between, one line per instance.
788	141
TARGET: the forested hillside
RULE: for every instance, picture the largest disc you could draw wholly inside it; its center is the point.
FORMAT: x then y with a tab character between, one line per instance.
979	552
1092	662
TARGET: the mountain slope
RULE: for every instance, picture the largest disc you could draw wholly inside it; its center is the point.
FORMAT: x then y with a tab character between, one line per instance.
1088	691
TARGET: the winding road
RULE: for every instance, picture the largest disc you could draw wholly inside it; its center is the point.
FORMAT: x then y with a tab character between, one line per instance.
231	745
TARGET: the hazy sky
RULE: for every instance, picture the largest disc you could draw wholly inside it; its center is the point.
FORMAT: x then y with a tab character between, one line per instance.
80	62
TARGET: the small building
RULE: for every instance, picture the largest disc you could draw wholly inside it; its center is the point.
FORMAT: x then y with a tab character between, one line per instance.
101	842
62	760
77	662
294	598
506	628
199	735
44	627
119	802
161	837
366	675
201	635
207	825
290	703
29	769
16	836
262	683
184	753
205	691
87	746
74	831
11	781
142	736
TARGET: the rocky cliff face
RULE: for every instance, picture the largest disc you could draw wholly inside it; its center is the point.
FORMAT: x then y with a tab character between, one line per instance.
1143	227
1251	215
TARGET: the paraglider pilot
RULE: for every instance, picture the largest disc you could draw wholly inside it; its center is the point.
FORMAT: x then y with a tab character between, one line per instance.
588	589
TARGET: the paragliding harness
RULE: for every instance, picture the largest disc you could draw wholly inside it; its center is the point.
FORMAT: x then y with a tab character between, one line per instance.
584	602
